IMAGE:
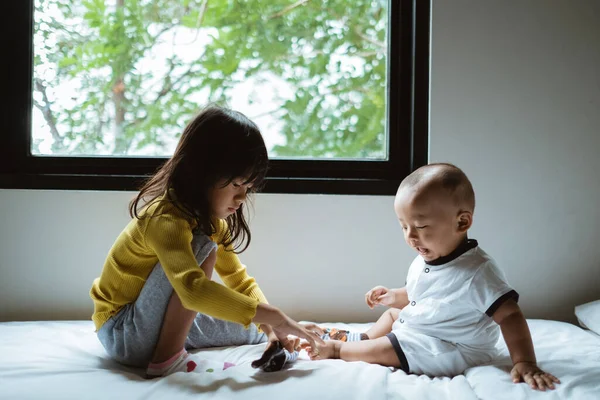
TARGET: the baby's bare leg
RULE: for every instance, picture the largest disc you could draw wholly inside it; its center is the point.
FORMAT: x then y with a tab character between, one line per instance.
178	320
377	351
383	326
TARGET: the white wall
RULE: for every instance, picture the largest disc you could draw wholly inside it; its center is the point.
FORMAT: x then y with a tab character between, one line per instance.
515	103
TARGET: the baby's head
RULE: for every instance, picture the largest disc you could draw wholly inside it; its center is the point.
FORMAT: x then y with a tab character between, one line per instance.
435	207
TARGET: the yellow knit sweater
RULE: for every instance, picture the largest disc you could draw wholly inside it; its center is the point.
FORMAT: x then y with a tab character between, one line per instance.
163	234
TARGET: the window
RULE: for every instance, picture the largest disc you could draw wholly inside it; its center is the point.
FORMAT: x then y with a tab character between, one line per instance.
103	88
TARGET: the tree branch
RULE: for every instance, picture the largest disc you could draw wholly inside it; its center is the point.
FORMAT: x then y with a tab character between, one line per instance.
46	110
100	125
167	83
288	9
72	35
264	114
167	28
186	73
154	38
358	32
168	86
365	54
369	39
201	13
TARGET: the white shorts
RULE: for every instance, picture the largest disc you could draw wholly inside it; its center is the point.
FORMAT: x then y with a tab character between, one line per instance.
426	355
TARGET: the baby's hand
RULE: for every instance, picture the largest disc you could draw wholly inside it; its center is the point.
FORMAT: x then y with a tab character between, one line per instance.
531	374
379	295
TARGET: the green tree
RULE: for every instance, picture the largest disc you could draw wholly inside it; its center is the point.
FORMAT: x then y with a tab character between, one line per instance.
332	53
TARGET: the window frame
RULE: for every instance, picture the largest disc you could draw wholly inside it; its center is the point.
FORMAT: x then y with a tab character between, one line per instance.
407	124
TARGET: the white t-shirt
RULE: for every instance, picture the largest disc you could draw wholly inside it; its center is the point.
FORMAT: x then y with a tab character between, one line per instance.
454	299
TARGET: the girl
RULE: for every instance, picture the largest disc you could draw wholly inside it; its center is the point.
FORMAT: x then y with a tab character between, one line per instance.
155	298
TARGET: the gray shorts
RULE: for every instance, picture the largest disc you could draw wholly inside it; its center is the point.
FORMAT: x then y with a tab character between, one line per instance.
131	335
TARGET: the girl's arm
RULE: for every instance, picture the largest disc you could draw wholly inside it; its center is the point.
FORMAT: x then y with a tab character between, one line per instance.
231	271
170	239
234	275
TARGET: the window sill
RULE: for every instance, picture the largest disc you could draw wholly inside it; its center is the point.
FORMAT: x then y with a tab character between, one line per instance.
346	186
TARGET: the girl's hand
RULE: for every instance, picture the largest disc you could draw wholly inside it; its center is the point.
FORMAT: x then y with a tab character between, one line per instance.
290	327
316	329
379	295
271	336
531	374
283	325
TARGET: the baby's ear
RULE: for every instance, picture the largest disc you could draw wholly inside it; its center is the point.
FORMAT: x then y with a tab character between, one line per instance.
465	220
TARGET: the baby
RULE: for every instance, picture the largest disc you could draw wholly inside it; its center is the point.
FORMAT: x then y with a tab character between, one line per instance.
456	300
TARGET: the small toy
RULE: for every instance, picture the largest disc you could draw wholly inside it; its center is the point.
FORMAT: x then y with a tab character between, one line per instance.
277	355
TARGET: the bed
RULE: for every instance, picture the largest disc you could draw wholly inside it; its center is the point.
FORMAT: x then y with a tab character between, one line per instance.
64	360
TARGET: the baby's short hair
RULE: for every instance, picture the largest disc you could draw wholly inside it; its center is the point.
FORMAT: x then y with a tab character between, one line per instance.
447	176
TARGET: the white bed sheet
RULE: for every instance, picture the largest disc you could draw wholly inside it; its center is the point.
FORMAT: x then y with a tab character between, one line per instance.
64	360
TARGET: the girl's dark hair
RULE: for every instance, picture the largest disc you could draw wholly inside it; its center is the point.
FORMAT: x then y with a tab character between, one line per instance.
218	144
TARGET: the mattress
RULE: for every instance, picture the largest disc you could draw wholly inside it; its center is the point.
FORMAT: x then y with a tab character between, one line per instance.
64	360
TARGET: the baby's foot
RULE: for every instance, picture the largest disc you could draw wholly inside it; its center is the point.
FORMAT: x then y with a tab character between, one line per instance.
343	335
324	352
183	362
